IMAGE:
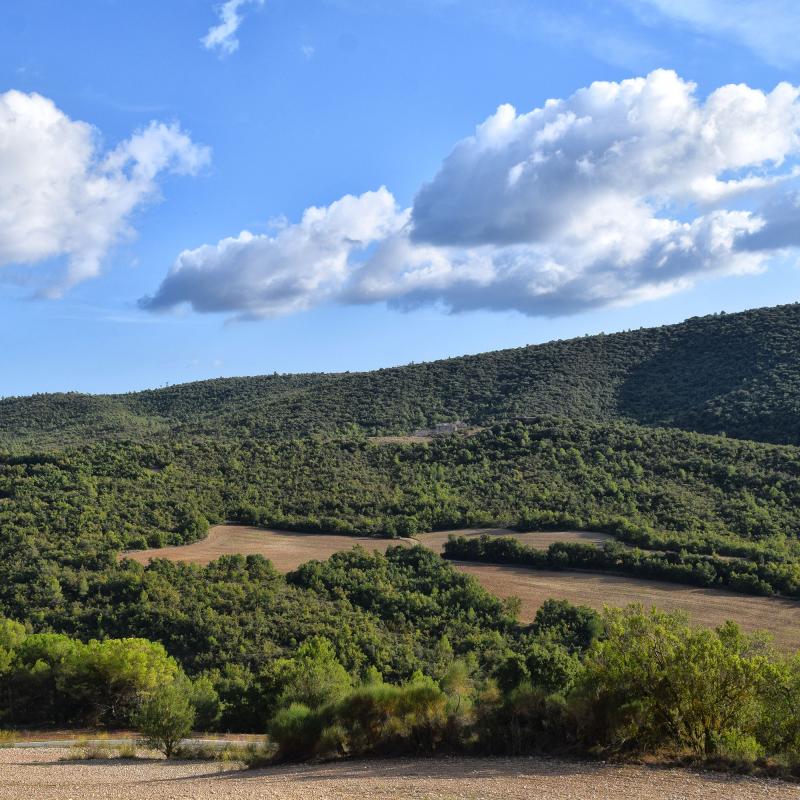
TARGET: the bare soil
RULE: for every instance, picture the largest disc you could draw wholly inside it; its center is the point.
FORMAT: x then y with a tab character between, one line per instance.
38	775
708	607
287	550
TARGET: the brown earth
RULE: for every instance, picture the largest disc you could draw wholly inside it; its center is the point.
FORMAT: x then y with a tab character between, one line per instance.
708	607
38	775
288	549
711	607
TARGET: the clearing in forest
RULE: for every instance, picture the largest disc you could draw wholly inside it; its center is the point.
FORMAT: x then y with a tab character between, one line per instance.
711	607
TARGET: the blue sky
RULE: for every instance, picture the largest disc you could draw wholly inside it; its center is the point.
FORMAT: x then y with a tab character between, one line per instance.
330	99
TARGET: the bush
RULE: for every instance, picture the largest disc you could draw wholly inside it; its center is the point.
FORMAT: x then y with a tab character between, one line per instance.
90	750
313	677
738	748
655	682
127	751
7	738
296	732
526	720
165	718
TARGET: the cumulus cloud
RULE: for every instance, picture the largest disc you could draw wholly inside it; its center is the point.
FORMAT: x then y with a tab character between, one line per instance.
620	193
297	267
61	197
768	27
222	37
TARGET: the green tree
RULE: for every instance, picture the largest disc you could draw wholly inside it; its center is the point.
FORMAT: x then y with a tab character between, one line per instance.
313	677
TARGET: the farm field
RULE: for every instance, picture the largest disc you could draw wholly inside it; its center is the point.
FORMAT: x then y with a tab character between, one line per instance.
709	607
38	775
287	550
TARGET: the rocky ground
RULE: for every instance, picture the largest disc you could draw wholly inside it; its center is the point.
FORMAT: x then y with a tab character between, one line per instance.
30	774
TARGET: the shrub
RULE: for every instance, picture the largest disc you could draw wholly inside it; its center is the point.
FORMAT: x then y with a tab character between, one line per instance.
206	703
127	751
656	682
738	748
526	720
165	718
313	677
551	667
7	738
90	749
296	732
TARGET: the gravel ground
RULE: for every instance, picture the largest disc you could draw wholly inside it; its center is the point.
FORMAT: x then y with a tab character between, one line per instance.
38	775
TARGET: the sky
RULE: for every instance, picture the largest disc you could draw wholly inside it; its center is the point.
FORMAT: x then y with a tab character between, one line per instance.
193	189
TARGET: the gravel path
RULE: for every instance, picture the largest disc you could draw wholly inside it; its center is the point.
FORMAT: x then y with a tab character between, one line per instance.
38	775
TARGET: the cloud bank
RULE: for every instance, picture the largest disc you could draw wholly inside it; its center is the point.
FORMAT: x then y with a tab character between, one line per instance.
620	193
222	37
61	197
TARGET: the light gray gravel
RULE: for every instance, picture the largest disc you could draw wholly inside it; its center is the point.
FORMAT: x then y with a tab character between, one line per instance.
38	775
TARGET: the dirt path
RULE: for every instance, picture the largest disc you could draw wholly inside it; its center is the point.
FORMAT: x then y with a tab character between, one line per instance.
710	607
38	775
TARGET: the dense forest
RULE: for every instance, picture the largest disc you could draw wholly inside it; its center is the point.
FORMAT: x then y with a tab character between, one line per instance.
734	374
65	516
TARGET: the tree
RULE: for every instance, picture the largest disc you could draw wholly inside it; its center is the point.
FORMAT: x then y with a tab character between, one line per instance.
314	677
166	717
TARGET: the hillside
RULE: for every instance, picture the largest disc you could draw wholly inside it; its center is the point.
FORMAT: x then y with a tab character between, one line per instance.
65	516
92	476
734	374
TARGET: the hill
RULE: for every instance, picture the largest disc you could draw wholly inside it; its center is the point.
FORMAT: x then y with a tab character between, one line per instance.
733	374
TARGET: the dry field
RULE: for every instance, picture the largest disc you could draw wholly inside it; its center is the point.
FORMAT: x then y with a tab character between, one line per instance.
38	775
710	607
287	549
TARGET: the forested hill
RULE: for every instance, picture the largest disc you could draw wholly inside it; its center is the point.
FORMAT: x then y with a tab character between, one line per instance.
737	374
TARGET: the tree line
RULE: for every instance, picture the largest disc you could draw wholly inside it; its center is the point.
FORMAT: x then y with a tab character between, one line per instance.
629	682
732	374
750	577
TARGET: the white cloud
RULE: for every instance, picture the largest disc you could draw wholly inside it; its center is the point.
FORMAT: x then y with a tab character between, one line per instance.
767	27
223	36
298	267
622	192
61	197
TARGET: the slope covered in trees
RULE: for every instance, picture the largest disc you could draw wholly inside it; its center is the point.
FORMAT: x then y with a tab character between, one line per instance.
737	374
65	516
